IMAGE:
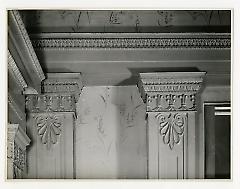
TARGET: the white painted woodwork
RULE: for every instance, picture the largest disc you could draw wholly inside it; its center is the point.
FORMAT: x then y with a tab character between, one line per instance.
171	99
110	137
57	160
17	141
20	47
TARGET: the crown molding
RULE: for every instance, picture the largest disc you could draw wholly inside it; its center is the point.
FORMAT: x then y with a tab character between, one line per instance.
12	67
18	31
132	41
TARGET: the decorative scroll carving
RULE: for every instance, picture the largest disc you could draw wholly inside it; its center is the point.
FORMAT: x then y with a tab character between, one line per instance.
173	91
27	41
212	42
171	127
15	71
50	103
49	127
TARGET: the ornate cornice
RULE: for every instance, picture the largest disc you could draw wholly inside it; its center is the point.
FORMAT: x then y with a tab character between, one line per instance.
170	91
12	67
63	83
212	41
24	35
50	103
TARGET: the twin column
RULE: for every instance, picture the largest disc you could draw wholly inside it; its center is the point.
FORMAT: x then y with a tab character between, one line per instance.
50	125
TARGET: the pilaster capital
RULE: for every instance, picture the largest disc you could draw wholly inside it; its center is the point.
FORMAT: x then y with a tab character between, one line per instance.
170	91
63	83
50	103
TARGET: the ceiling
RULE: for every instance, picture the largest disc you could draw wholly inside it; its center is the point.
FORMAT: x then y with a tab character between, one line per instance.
119	66
47	21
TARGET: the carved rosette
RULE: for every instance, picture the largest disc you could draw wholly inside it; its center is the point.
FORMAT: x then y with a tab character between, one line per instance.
49	128
171	95
171	127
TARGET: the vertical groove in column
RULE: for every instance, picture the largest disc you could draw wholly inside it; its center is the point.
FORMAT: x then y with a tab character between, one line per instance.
172	96
158	154
177	167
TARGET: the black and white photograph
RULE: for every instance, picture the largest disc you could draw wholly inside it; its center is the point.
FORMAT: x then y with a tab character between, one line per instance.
119	94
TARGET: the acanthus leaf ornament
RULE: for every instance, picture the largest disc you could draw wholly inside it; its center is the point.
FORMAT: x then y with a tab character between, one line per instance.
171	127
49	128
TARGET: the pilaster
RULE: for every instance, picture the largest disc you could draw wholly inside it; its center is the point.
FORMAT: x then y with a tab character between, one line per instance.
171	99
51	121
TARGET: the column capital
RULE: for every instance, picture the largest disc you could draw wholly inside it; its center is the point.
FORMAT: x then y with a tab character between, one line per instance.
63	83
170	91
50	103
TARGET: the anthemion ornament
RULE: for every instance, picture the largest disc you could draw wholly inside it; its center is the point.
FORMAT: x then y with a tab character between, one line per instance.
48	127
171	127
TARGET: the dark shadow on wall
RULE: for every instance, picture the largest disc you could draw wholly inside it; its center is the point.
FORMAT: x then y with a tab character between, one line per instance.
133	80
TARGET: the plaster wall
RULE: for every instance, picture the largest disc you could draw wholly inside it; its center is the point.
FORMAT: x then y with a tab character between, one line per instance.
110	138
